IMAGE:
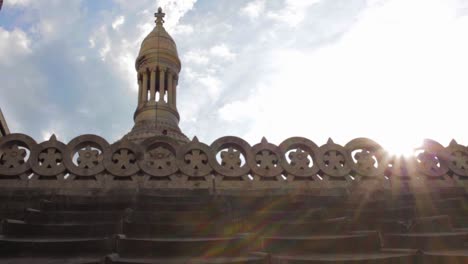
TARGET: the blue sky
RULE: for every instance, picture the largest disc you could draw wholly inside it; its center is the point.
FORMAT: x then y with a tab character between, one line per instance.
390	70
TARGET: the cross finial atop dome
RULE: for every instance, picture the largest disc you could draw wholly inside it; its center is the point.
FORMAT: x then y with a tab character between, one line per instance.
159	17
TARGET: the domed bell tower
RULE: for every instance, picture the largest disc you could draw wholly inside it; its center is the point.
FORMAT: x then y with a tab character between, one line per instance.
158	67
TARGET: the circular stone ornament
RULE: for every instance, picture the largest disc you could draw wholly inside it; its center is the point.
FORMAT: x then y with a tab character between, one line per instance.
11	154
80	142
334	160
458	158
159	157
267	159
432	161
193	159
122	159
371	152
52	154
299	168
237	144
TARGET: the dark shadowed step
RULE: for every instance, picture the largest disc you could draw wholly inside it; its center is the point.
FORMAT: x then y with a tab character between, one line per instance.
382	225
446	256
296	227
351	243
17	213
181	247
14	228
452	203
274	215
177	206
426	241
146	230
53	246
36	216
440	223
175	216
459	221
46	205
114	258
52	260
358	258
383	213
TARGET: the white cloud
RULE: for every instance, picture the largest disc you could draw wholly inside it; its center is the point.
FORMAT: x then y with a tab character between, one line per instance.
183	30
293	12
119	21
196	57
175	9
211	85
17	2
253	9
222	51
396	77
13	43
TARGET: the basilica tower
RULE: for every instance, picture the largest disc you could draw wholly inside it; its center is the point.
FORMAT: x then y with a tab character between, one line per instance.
158	67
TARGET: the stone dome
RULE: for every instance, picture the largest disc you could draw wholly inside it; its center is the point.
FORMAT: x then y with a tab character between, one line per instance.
159	46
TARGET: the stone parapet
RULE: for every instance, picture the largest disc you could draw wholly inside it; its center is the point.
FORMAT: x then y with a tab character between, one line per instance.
228	165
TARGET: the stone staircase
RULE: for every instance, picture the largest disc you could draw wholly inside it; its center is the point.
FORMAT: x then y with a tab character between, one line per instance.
204	228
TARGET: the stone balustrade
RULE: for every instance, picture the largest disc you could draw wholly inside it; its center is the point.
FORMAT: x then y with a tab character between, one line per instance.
229	163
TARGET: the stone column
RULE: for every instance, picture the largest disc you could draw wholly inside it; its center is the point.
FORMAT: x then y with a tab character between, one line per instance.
161	84
153	84
170	89
174	87
140	90
145	86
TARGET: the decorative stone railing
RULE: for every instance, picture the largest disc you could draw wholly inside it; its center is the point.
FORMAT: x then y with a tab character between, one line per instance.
89	161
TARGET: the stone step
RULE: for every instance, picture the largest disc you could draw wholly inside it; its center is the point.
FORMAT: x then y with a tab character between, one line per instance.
426	241
446	256
459	221
37	216
440	223
404	213
349	243
52	260
293	215
280	202
175	216
452	203
115	258
368	258
176	195
181	247
382	213
203	229
14	228
177	206
46	205
298	227
382	225
18	213
54	246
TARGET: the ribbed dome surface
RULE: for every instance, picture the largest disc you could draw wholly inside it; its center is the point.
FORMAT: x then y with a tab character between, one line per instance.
158	41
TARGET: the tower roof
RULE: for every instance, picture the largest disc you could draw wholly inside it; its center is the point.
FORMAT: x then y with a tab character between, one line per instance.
159	45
